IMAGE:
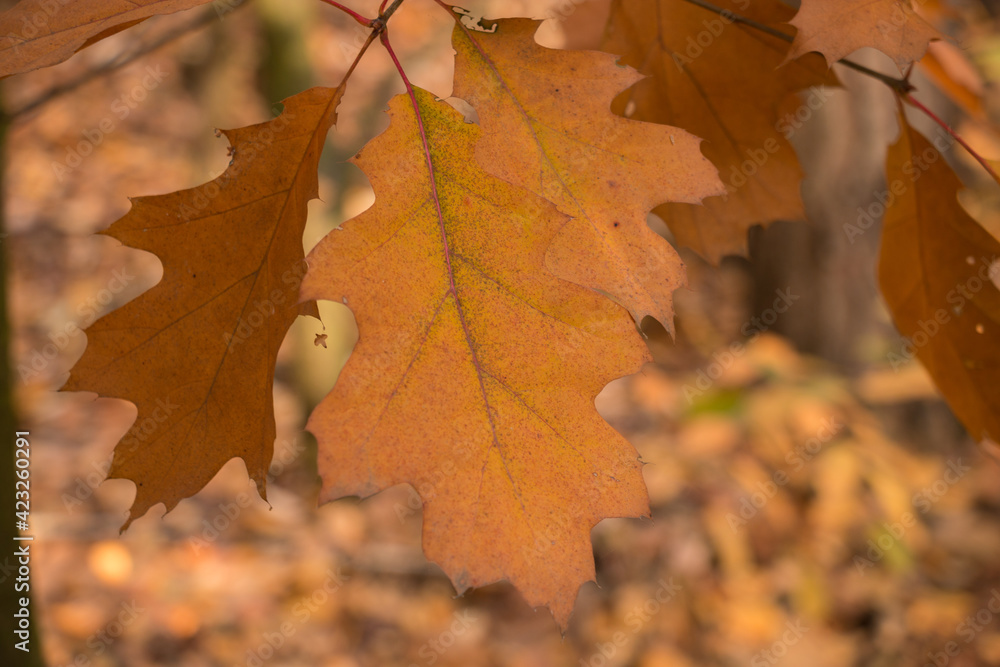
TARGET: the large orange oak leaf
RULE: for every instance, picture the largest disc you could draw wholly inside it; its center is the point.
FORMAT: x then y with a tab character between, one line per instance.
836	28
548	126
475	371
196	353
39	33
720	80
939	270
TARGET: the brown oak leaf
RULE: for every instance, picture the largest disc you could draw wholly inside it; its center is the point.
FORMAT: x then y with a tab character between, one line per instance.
475	371
720	80
939	271
836	28
196	353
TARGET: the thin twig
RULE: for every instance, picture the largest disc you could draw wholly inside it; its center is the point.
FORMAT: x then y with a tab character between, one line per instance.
378	30
357	58
383	16
363	20
118	62
899	86
909	99
736	18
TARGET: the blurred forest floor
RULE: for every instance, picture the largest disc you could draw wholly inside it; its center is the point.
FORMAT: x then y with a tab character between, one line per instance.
802	514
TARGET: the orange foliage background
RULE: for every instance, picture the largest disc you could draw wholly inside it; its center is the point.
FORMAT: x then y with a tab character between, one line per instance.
835	455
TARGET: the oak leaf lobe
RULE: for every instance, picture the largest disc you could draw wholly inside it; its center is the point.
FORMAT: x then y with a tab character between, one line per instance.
548	127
